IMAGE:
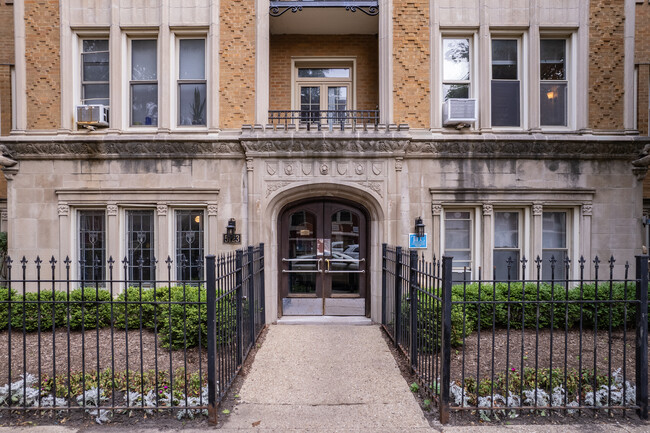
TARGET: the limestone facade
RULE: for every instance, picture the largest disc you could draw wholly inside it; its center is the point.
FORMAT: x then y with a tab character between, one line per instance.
233	163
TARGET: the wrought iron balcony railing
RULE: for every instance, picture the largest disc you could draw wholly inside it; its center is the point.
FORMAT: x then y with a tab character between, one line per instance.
368	7
330	119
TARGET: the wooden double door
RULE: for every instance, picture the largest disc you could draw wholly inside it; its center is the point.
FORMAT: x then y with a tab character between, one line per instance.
323	259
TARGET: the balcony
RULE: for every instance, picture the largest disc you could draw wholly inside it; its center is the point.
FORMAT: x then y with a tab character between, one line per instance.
318	120
279	7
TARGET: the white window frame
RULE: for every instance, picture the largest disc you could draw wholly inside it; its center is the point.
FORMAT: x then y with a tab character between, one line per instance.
473	66
81	75
571	234
323	62
475	237
522	73
176	81
571	78
127	120
521	242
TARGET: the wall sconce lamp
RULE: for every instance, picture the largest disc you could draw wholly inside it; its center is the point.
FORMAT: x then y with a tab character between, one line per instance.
419	227
230	237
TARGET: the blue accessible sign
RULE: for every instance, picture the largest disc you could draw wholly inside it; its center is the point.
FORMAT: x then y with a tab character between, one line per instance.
416	241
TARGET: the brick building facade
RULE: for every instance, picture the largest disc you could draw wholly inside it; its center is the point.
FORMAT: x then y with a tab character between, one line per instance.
324	132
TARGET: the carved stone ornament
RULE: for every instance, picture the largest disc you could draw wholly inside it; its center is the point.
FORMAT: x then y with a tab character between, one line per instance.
306	168
342	168
487	209
376	169
250	165
359	169
436	209
162	209
271	169
288	169
374	186
323	144
587	209
64	210
213	209
324	169
398	164
111	210
538	209
271	187
4	216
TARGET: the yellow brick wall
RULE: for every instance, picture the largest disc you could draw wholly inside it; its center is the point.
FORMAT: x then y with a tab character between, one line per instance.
411	56
363	47
43	74
606	61
6	59
237	63
642	58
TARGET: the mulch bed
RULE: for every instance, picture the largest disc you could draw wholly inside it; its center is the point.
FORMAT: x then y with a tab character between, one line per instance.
83	350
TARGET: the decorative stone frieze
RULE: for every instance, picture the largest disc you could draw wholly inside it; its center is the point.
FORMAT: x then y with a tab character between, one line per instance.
271	187
436	209
288	169
63	209
538	209
587	209
162	209
213	209
111	210
324	169
359	169
342	168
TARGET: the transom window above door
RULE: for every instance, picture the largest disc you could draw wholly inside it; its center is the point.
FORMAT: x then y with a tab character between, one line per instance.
323	91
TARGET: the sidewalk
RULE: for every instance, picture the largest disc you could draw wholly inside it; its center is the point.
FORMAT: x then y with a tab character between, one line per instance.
325	378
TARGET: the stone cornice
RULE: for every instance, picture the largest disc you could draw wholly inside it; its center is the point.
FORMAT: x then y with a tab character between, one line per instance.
325	143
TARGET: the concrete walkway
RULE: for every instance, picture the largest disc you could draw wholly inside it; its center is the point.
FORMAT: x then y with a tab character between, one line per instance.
325	378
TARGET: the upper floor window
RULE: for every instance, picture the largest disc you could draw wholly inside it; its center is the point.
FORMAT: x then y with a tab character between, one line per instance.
191	82
324	91
456	68
506	86
144	82
95	72
553	84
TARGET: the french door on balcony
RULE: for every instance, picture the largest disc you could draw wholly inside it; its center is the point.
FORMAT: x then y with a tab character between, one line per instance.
324	103
323	259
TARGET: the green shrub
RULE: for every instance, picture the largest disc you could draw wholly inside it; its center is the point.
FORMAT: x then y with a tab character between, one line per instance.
603	309
4	306
181	324
90	307
27	314
127	305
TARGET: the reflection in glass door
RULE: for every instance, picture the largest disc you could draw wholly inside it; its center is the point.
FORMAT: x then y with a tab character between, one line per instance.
323	260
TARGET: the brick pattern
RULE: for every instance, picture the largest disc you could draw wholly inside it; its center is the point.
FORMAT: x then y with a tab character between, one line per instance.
606	62
6	59
237	63
642	58
5	100
411	56
363	47
6	33
42	46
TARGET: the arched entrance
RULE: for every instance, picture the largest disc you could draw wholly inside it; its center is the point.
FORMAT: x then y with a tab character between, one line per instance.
323	258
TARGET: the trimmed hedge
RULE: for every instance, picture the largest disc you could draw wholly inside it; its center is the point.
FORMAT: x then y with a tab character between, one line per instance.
92	308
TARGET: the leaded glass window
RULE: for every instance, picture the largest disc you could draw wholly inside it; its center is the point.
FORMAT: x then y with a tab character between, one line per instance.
189	244
140	245
92	245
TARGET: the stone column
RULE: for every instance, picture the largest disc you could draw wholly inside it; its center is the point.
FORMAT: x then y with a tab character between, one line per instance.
163	242
483	58
436	233
249	220
488	241
585	238
536	244
113	241
212	229
65	239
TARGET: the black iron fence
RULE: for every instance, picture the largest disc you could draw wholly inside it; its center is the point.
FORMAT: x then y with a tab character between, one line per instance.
113	346
503	348
329	119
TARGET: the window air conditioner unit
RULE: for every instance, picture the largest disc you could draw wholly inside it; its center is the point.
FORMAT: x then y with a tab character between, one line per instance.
92	115
457	111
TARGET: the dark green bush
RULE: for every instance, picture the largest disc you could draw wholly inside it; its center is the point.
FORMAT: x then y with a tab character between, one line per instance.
90	307
32	307
603	309
180	323
127	305
4	306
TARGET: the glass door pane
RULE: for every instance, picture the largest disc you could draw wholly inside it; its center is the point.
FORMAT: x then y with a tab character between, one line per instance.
337	102
344	264
302	253
310	104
